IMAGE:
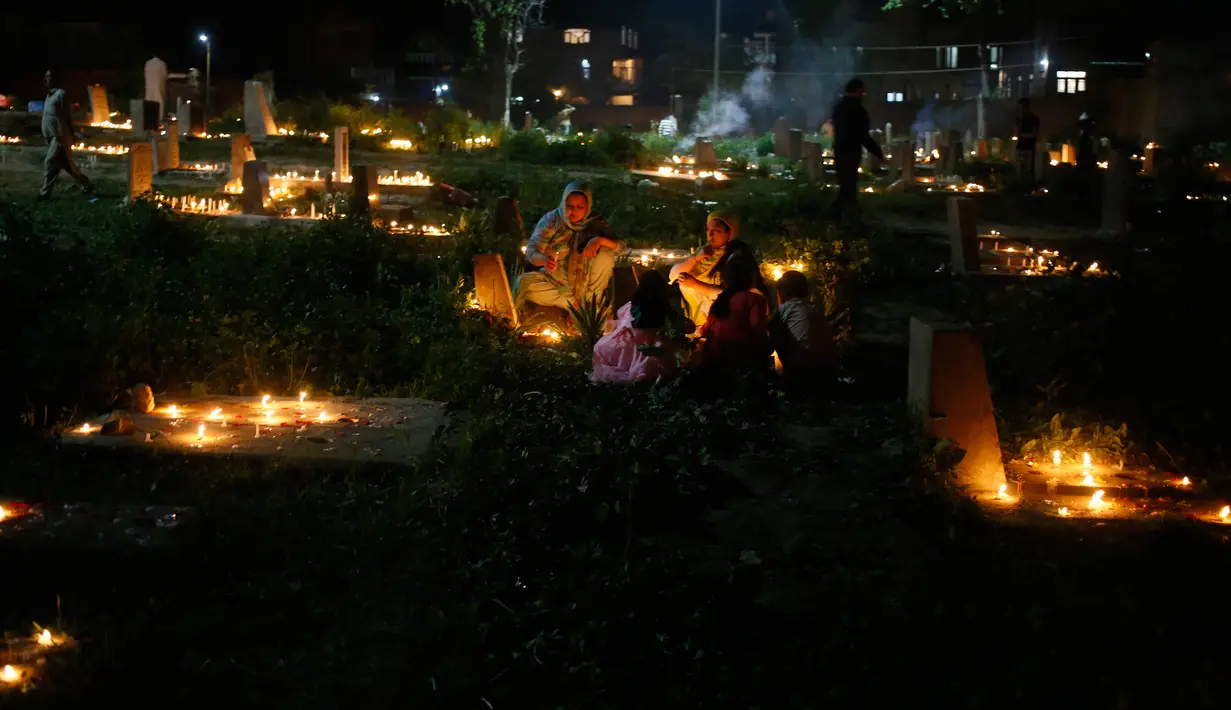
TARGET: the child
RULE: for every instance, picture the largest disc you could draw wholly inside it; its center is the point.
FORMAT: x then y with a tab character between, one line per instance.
737	331
646	339
800	333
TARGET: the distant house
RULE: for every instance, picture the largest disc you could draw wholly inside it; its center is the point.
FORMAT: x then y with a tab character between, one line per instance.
584	65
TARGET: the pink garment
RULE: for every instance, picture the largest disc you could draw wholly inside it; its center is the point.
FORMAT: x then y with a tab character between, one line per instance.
617	359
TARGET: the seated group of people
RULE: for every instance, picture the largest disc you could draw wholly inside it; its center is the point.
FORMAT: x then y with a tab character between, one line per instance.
718	293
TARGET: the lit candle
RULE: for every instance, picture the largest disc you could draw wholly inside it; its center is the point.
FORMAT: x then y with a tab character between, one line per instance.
323	416
302	396
1064	512
258	430
1055	457
1225	513
1096	500
269	415
201	432
265	401
85	428
1004	491
1085	460
1088	480
1186	482
44	638
10	675
174	411
216	413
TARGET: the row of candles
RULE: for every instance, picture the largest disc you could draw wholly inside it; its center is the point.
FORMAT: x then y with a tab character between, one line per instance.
323	136
673	172
102	149
416	179
267	407
16	675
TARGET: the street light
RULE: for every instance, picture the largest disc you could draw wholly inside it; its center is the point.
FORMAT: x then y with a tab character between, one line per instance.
208	52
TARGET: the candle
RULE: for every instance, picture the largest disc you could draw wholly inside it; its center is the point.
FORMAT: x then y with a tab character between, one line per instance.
269	415
1096	500
1055	457
323	416
1186	482
302	396
10	675
44	638
85	428
1225	513
1064	512
264	401
1085	460
216	413
201	432
174	411
258	430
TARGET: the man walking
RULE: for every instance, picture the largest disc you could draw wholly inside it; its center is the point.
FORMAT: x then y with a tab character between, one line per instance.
850	137
58	132
1027	126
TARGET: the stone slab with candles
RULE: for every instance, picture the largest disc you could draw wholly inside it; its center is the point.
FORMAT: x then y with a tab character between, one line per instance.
334	430
100	108
704	156
492	288
95	526
947	383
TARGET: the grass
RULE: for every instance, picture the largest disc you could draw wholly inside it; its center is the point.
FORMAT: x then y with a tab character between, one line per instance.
572	546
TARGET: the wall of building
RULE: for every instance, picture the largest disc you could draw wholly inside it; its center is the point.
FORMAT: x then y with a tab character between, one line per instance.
554	64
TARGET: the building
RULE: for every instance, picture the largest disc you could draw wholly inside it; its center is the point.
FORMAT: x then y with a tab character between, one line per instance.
593	66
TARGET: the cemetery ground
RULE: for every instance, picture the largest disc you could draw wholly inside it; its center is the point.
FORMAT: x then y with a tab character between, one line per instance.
566	545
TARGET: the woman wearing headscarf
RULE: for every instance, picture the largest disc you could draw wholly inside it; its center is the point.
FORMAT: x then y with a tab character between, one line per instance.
570	254
700	275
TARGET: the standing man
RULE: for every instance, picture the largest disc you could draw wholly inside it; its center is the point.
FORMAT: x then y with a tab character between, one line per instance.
58	132
850	137
156	86
1027	127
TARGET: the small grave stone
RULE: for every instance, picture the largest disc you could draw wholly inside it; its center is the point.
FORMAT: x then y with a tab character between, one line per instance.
1115	194
140	170
241	153
137	110
888	146
963	236
893	164
508	217
528	122
952	153
140	399
703	154
997	146
814	160
983	152
173	149
365	190
491	287
255	198
623	283
907	162
158	148
947	384
341	153
100	108
968	142
1068	154
186	119
782	137
258	119
1152	161
795	145
929	142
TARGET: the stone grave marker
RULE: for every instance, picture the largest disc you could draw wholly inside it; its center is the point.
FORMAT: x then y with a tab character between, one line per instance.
528	122
158	149
624	282
929	142
952	153
782	137
907	162
186	119
341	153
491	287
173	149
947	384
893	165
888	138
1153	158
963	236
982	151
997	146
795	145
814	160
241	152
1068	154
508	217
1115	194
258	119
101	526
140	170
100	108
255	198
365	190
704	156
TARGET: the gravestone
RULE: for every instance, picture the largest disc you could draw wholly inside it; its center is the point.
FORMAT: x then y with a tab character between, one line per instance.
907	163
704	156
888	145
1068	154
997	147
255	198
140	170
258	119
982	151
1152	160
100	108
929	142
365	190
963	236
144	115
952	153
623	284
968	142
782	137
185	120
173	149
814	160
241	152
508	218
491	287
1115	194
893	164
161	155
795	145
341	153
947	384
528	122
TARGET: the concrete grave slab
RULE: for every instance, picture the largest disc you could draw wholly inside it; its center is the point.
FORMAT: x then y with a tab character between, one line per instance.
258	119
140	170
94	526
491	287
100	108
352	430
963	236
947	384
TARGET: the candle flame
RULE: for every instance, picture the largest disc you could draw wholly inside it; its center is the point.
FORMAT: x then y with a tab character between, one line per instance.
216	413
173	411
302	395
85	428
1096	500
265	400
45	639
323	416
1055	457
1225	513
1085	460
1003	493
269	415
1088	480
1186	482
10	674
3	513
201	432
1064	512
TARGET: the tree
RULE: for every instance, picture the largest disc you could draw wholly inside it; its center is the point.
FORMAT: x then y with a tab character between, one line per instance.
507	22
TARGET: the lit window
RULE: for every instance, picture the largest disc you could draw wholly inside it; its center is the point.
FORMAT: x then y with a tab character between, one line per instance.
626	70
1070	82
577	36
894	97
585	69
946	57
622	100
994	56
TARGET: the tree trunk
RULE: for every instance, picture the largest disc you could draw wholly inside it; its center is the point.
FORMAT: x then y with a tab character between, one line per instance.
510	68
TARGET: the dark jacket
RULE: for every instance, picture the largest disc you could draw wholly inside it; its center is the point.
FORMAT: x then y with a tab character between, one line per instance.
850	128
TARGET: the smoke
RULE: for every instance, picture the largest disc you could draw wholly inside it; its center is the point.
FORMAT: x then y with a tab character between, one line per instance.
730	114
758	86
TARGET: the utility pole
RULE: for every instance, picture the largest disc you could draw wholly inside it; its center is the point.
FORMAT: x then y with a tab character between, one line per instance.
717	46
208	57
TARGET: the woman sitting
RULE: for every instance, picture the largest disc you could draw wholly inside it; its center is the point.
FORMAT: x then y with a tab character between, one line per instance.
570	254
699	274
737	332
646	340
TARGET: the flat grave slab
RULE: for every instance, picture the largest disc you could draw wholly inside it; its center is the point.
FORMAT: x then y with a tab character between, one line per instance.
343	430
93	526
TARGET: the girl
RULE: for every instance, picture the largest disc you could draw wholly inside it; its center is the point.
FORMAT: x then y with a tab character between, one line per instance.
737	331
646	340
699	274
